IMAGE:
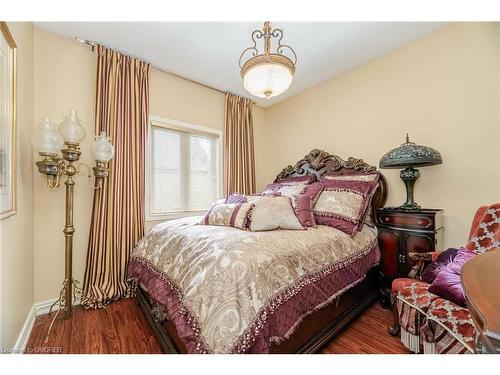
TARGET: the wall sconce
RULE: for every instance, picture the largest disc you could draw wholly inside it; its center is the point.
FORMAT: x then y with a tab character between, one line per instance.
49	139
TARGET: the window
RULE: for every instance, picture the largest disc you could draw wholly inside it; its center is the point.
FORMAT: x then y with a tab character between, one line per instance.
183	169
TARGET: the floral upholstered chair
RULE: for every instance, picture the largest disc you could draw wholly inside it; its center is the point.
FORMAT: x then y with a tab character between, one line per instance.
429	306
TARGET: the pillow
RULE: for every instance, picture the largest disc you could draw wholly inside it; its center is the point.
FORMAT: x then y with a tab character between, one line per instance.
368	220
291	190
220	201
275	188
368	217
289	181
431	271
370	177
236	215
364	177
303	201
236	198
272	213
343	204
447	283
308	179
272	189
270	193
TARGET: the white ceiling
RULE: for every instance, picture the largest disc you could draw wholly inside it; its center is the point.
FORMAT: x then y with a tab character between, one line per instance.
208	52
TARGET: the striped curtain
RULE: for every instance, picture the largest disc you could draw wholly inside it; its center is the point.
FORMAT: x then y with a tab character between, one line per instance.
239	158
122	109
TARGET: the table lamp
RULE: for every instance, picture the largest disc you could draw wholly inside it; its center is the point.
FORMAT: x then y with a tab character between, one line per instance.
408	156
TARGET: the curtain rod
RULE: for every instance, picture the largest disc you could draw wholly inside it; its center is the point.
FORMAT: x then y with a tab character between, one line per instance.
93	44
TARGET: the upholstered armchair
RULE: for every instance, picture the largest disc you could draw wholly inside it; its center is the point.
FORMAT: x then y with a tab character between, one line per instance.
429	311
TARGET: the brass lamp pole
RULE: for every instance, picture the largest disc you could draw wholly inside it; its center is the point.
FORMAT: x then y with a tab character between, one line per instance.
47	138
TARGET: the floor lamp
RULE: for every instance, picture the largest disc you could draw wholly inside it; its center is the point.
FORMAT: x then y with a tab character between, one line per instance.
49	139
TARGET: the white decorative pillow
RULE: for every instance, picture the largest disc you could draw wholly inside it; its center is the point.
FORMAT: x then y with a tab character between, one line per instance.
274	189
292	190
272	213
353	177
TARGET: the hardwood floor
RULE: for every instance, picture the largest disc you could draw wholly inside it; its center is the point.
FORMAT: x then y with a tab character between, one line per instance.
119	328
122	328
367	335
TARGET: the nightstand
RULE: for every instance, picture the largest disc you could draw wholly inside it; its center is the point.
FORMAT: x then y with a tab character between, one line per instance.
401	232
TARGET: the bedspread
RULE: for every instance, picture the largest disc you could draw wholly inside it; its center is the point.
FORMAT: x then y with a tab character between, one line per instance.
232	291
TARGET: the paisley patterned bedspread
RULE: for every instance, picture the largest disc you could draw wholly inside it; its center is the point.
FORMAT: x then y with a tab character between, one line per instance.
232	291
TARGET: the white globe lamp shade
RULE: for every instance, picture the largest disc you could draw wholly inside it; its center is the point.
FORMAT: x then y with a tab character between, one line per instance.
71	129
102	149
267	80
45	138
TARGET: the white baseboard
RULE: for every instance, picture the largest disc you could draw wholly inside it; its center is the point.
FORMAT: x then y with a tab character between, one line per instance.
39	308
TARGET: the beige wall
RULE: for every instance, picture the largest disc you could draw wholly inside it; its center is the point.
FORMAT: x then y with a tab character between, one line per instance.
263	146
64	79
442	89
175	98
16	232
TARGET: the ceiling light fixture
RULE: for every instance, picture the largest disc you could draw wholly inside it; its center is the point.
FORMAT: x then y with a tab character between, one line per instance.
269	73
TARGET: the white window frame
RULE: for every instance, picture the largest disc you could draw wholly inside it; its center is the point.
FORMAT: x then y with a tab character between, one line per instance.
185	126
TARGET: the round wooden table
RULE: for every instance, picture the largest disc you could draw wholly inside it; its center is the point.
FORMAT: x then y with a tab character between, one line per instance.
481	283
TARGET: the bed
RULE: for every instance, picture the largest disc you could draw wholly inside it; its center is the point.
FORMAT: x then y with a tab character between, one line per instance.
210	289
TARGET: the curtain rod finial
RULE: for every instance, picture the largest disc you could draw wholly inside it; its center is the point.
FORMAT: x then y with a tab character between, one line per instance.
84	41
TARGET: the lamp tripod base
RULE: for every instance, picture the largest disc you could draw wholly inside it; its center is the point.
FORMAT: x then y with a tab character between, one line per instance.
63	304
409	175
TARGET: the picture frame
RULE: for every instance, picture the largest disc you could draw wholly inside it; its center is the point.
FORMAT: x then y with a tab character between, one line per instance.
8	199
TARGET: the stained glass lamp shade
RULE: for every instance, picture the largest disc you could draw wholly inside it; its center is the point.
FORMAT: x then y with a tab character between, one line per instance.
408	156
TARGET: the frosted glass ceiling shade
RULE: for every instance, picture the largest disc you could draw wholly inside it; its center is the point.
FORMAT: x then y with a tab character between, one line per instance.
267	80
71	129
102	149
267	74
46	139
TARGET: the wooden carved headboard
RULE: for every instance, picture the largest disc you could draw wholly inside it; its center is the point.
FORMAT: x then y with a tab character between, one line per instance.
319	162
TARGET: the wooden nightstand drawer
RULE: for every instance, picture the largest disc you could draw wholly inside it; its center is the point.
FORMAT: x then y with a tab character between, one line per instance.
411	220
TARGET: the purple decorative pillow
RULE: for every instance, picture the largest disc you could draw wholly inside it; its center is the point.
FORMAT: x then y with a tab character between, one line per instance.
447	283
447	256
236	198
342	204
431	271
371	178
367	217
303	204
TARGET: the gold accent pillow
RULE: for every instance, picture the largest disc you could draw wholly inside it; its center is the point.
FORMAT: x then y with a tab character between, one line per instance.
272	213
340	203
353	177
